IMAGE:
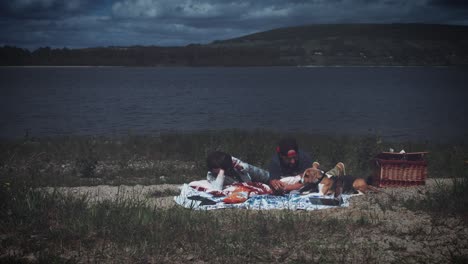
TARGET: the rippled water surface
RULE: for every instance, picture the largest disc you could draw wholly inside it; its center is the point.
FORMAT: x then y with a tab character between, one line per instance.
395	102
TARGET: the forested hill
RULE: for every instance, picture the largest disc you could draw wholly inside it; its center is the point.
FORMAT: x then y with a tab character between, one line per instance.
346	44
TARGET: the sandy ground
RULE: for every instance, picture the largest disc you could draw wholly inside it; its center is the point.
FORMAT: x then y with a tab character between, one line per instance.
396	232
162	195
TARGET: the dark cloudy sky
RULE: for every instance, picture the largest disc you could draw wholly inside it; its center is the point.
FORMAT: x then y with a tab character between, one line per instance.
91	23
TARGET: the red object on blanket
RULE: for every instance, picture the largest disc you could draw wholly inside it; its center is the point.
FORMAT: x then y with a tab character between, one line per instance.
244	190
237	196
238	192
254	187
215	193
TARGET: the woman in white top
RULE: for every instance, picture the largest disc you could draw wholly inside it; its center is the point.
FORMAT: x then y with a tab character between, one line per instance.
223	169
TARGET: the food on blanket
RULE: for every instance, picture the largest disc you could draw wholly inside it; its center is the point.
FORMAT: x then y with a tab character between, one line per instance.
195	200
240	192
236	197
235	193
254	188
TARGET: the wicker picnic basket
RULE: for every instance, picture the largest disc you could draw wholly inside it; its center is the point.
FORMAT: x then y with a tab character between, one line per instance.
400	169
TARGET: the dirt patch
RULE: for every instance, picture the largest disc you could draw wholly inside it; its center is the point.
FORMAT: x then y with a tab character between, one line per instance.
401	234
384	229
162	195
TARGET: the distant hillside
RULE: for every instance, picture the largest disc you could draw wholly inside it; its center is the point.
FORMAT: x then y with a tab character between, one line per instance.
363	44
347	44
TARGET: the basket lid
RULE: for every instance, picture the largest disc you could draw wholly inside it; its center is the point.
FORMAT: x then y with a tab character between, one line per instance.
410	156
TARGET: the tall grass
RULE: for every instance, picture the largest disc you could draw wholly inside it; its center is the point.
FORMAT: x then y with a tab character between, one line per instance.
56	226
447	198
59	228
180	157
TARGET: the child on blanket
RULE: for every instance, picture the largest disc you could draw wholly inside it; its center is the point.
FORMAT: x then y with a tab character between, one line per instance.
224	169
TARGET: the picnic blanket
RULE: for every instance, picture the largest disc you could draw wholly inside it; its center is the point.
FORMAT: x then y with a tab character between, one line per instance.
197	199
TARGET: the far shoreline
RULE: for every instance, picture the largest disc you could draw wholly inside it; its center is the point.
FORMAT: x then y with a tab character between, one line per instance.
245	66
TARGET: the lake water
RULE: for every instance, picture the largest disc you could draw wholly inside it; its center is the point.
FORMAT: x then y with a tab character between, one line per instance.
398	103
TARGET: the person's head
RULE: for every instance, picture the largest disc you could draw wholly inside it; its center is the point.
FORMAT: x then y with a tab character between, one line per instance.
287	150
218	160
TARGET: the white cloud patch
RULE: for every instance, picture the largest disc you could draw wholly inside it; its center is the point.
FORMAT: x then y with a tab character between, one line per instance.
176	8
268	12
194	9
136	8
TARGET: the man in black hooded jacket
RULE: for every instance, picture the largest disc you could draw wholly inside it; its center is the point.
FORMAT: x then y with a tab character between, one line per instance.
288	160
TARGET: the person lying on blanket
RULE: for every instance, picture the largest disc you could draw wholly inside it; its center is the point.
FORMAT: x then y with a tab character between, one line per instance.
288	165
289	162
224	169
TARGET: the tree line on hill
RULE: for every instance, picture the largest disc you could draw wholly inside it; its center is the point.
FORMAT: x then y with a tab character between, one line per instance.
141	56
390	44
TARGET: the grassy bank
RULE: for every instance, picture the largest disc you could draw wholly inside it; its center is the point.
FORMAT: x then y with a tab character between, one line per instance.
58	228
180	157
130	232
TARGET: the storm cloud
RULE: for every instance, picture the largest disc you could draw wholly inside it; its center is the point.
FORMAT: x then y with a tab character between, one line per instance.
86	23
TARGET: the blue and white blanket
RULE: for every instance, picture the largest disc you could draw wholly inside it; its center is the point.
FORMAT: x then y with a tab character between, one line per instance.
197	200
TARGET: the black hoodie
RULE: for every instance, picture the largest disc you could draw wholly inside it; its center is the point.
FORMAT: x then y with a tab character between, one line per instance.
278	169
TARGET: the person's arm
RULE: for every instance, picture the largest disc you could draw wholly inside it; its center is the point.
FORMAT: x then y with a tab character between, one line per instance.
292	187
258	175
210	177
217	182
242	170
255	173
275	175
275	169
292	183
